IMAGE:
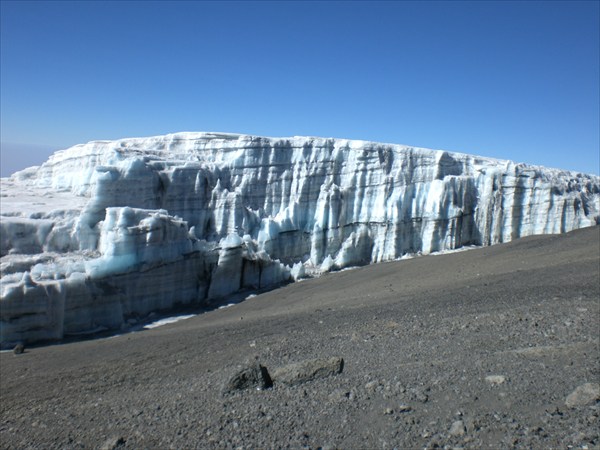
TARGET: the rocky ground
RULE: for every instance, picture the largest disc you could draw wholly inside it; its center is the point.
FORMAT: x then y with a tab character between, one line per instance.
492	348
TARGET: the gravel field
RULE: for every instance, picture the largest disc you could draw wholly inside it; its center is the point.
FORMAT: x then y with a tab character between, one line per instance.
497	347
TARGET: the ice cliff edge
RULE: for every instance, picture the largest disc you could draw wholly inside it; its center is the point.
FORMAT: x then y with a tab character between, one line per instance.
110	230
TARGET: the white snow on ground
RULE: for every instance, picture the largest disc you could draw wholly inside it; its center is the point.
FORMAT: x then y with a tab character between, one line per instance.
168	320
228	305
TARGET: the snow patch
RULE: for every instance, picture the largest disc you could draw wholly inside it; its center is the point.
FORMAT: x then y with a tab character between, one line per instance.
168	320
228	305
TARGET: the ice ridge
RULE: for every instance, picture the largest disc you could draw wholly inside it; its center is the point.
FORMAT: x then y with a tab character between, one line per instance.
112	230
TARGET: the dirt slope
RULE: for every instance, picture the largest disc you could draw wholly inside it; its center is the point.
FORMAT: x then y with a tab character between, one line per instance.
418	339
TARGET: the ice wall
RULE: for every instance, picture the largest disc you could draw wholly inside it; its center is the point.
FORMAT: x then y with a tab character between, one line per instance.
110	230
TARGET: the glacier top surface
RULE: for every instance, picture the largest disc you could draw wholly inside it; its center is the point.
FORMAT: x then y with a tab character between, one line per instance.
20	200
214	148
180	146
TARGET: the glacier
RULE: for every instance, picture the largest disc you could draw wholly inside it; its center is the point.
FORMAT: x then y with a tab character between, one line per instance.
108	231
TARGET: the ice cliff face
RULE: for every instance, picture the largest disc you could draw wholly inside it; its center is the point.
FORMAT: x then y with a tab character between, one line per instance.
111	230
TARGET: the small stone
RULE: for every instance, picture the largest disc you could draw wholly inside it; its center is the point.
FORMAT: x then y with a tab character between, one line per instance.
495	380
388	411
583	395
19	348
338	395
457	428
308	370
371	385
113	443
253	376
404	408
421	396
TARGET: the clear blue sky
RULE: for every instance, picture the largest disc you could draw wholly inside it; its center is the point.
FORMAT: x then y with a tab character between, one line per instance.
513	80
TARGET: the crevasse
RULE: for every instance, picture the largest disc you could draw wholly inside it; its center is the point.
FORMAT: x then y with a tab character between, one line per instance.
111	230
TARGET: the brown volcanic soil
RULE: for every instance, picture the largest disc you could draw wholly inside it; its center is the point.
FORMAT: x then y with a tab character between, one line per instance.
418	338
